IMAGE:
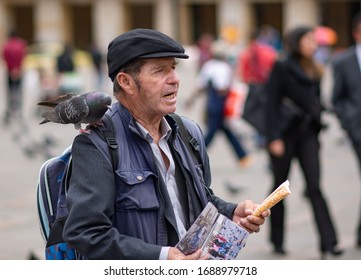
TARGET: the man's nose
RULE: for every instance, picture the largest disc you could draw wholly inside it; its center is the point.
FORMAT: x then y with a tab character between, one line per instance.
173	78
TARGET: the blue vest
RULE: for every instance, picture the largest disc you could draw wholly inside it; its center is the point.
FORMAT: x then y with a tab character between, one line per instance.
142	206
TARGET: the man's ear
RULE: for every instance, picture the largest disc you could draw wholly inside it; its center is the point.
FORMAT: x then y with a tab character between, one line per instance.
125	81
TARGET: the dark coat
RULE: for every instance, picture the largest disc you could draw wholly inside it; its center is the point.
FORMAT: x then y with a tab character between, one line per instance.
287	79
346	98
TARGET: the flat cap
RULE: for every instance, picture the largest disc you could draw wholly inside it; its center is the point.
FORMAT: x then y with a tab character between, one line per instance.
140	43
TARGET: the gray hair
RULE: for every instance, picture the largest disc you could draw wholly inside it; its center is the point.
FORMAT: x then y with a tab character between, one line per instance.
133	69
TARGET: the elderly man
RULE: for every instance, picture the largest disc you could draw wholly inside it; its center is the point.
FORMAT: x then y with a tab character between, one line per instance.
141	210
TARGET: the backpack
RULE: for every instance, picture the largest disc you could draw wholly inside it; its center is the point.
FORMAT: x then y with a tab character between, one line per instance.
53	185
52	188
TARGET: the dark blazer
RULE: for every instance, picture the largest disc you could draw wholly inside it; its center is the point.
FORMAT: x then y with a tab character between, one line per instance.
287	79
346	97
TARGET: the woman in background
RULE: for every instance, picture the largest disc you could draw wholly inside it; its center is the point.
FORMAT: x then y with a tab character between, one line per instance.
296	81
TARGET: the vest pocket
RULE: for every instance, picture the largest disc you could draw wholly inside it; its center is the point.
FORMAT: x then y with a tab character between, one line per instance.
136	190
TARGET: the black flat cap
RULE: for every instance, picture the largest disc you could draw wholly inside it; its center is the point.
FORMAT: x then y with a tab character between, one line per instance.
140	43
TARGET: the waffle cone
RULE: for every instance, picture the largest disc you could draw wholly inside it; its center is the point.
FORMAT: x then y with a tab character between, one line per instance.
276	196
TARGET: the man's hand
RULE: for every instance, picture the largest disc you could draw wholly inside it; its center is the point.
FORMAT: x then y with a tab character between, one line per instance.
243	216
175	254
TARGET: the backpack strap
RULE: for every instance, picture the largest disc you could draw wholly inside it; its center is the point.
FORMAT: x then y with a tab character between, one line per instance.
109	135
190	142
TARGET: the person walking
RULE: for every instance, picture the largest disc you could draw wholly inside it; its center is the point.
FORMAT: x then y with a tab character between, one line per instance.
215	78
68	77
295	81
14	52
142	207
256	61
204	45
346	97
97	59
253	68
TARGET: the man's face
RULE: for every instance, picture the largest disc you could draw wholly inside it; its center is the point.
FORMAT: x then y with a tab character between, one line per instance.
158	90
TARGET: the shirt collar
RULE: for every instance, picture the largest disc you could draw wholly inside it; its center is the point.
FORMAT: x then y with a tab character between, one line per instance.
164	128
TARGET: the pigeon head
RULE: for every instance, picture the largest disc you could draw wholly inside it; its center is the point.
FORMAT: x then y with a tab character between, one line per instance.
98	100
98	103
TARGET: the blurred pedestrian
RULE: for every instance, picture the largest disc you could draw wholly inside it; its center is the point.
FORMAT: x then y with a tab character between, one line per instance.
256	61
270	36
346	98
68	79
14	52
204	47
326	38
65	61
215	79
97	58
296	81
253	66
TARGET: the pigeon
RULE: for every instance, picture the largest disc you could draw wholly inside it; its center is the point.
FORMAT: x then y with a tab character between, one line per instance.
87	108
233	189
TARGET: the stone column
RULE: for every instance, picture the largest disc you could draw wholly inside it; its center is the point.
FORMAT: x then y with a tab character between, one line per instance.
237	14
185	20
4	29
49	21
4	23
165	17
108	21
297	13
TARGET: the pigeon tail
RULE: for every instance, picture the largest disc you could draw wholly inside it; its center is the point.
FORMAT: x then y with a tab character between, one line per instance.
44	121
54	102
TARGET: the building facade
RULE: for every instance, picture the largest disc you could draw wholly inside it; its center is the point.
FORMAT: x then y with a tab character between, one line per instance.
82	22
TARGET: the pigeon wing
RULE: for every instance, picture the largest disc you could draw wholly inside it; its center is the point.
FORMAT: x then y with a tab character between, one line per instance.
73	111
